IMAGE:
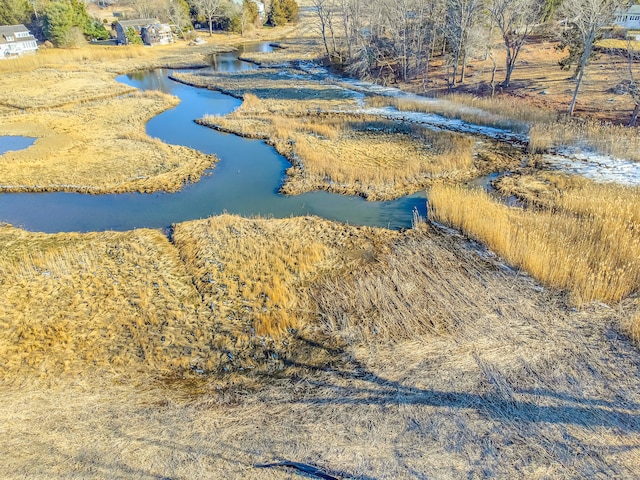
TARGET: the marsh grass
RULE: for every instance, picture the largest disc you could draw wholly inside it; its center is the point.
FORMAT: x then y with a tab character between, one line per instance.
254	271
502	113
633	328
584	239
353	153
615	140
59	86
434	348
113	155
546	129
100	301
291	53
132	303
90	129
281	91
420	328
57	57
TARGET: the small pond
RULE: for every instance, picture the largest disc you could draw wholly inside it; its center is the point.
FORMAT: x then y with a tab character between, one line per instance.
13	143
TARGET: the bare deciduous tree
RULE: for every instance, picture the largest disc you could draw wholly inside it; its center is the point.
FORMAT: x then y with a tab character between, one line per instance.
209	9
515	20
626	63
326	11
148	8
462	17
587	18
177	14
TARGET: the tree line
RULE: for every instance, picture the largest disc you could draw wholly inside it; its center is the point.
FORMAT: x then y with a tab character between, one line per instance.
398	39
66	22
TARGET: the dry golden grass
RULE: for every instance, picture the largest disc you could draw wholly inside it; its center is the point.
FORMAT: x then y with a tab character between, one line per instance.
352	154
586	240
91	138
612	43
373	159
133	305
299	51
493	112
254	271
633	327
546	130
280	93
615	140
576	194
539	84
98	146
58	86
73	303
64	58
507	367
407	358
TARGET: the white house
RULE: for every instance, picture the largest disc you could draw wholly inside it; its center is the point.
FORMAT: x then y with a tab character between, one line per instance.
629	19
15	41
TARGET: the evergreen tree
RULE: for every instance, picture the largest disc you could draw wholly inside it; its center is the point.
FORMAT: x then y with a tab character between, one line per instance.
132	37
62	19
13	12
282	11
58	19
290	8
276	14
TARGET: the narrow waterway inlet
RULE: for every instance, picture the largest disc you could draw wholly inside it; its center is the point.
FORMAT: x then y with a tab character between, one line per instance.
245	181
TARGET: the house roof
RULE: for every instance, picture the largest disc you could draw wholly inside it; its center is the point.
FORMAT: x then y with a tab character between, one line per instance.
140	22
632	10
11	30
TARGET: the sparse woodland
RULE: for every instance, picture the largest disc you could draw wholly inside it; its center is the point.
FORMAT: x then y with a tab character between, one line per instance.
403	40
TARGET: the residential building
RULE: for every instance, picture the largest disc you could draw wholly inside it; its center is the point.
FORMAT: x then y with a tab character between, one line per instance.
15	41
629	18
150	30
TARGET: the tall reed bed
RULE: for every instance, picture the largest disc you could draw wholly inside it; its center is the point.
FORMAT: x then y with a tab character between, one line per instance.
546	128
616	140
117	301
252	272
480	111
585	244
256	278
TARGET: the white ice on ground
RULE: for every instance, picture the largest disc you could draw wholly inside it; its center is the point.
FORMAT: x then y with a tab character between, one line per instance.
600	168
597	167
438	122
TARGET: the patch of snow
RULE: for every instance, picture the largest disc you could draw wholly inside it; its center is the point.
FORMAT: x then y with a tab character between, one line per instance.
438	122
600	168
597	167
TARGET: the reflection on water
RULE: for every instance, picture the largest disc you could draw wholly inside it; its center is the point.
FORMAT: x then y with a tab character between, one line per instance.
244	182
229	62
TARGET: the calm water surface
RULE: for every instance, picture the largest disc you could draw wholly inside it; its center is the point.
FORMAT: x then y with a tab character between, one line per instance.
11	143
244	182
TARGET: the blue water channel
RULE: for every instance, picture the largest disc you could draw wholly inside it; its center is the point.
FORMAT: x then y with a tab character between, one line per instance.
245	181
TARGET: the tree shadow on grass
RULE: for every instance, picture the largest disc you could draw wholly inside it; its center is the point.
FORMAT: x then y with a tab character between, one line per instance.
503	403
